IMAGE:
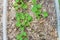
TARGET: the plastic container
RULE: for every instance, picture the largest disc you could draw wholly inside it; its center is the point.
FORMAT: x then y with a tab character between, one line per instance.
58	17
44	29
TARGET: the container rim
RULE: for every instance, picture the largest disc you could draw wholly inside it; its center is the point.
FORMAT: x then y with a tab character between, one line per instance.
58	17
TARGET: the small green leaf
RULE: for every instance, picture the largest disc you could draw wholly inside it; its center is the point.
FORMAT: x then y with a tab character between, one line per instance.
17	14
21	0
17	17
27	24
18	36
39	6
16	8
21	28
21	38
29	18
24	6
22	16
18	24
34	1
24	34
16	0
45	14
38	12
34	9
15	4
26	14
24	22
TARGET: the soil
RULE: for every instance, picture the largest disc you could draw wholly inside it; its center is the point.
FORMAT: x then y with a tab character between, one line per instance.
1	19
43	29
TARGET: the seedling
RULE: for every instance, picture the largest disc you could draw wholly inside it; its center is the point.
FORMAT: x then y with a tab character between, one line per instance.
34	1
36	9
15	4
22	35
45	14
18	24
16	0
24	6
24	19
20	4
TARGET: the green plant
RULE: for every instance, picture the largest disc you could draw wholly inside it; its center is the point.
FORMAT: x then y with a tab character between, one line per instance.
16	0
23	21
34	1
20	4
22	36
36	9
24	6
16	6
45	14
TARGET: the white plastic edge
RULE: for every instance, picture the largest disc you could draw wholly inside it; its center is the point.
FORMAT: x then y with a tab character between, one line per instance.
4	19
58	18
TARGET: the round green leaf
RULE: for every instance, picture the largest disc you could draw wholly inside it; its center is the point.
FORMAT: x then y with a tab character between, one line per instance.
34	1
34	9
21	28
16	0
24	33
45	14
18	24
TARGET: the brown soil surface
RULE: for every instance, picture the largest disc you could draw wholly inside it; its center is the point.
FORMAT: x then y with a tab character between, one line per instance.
44	29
